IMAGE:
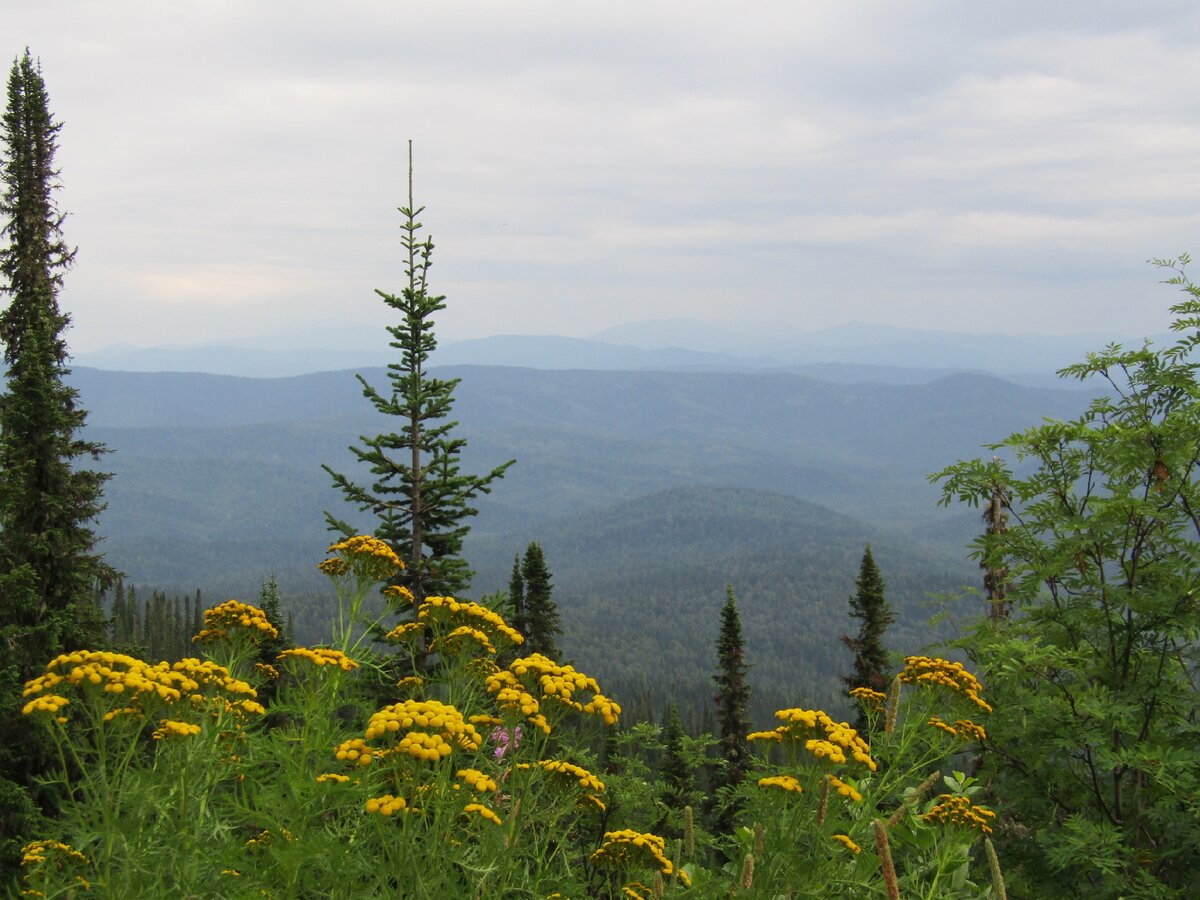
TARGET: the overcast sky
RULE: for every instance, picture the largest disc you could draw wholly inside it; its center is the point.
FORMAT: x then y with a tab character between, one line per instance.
234	168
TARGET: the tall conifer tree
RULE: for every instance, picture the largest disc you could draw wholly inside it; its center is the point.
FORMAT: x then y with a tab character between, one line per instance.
870	607
675	773
49	568
419	495
732	701
541	612
516	596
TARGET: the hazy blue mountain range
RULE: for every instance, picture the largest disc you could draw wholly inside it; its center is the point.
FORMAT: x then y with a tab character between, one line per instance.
845	353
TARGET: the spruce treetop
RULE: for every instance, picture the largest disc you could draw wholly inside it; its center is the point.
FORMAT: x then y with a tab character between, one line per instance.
418	492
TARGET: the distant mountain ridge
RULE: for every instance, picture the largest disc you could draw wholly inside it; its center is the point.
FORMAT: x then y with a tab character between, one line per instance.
858	352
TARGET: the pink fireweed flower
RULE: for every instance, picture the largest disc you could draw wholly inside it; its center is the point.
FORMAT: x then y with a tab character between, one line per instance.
505	740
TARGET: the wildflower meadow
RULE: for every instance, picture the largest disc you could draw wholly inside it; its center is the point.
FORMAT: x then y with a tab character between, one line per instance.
340	771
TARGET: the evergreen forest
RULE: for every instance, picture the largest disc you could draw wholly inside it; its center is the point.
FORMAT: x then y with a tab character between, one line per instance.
488	631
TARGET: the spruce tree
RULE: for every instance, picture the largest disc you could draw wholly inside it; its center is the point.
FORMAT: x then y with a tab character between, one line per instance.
732	701
541	612
516	596
676	774
418	494
49	567
869	606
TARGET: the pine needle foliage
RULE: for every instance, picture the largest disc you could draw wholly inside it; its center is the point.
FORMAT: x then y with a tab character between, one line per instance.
418	493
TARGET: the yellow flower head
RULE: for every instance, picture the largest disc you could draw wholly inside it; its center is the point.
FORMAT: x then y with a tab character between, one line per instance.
628	848
844	840
443	612
957	810
234	619
387	805
514	689
871	699
463	640
319	657
572	773
103	676
962	729
37	852
170	728
476	780
483	812
844	789
782	782
426	730
367	557
931	671
398	592
829	741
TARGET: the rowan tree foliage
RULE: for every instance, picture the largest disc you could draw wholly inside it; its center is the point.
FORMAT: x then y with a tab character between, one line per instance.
731	701
870	608
418	492
1094	673
49	567
540	610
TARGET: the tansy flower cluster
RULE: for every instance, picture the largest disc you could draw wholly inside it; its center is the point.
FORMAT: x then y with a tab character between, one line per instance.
320	656
585	779
955	809
870	698
235	618
35	853
398	592
463	639
116	673
410	682
963	729
356	751
448	611
171	728
431	730
368	557
404	631
555	682
483	812
628	847
833	740
932	671
476	780
844	789
637	891
512	697
783	782
47	703
387	805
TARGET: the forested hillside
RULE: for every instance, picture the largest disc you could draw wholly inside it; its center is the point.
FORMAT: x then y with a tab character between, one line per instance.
212	469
